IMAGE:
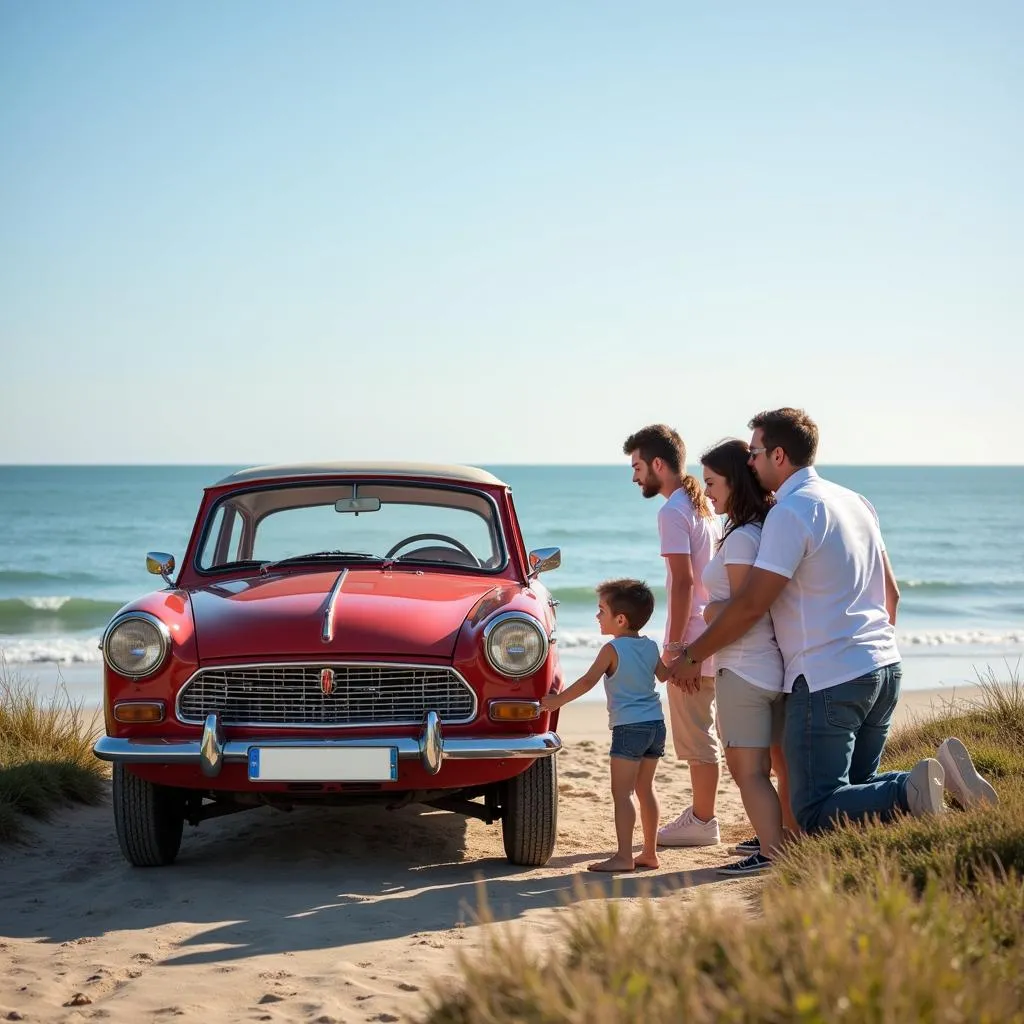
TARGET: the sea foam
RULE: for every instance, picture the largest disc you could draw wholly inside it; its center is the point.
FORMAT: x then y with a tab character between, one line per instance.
63	650
918	638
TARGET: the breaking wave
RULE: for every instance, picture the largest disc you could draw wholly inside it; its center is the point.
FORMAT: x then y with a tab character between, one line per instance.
54	614
62	650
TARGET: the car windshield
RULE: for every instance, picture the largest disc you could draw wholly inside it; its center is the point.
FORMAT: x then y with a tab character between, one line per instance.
417	524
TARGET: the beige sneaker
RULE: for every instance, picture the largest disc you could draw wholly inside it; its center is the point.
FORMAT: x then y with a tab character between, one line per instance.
924	788
963	782
686	830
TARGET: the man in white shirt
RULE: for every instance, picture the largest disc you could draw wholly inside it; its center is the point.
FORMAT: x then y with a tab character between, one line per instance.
688	532
823	572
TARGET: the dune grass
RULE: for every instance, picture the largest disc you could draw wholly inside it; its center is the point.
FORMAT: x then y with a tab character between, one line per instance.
813	955
916	920
992	726
46	758
962	845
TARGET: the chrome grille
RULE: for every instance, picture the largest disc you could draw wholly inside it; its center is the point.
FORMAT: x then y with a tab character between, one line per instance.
291	695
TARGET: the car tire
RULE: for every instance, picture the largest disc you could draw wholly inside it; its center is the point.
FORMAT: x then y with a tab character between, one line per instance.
149	819
529	820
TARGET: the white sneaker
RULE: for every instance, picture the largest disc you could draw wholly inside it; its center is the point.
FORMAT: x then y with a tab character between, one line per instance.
686	830
924	788
963	782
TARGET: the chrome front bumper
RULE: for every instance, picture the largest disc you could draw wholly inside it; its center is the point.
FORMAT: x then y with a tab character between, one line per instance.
212	751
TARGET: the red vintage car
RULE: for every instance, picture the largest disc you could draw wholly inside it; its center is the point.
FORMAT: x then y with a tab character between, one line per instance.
338	634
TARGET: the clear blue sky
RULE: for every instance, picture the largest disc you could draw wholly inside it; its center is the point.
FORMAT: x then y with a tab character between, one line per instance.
240	232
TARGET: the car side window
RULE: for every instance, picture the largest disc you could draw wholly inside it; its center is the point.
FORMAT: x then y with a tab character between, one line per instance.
224	537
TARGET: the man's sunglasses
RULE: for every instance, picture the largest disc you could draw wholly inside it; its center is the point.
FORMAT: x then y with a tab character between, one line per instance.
754	452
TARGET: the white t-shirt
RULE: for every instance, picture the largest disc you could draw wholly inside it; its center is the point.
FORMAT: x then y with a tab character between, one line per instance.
683	532
755	657
830	620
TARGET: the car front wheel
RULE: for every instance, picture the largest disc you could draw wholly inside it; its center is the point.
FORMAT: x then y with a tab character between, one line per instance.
148	818
529	820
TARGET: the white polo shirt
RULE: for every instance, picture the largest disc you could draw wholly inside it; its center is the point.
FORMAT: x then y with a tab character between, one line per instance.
830	619
682	531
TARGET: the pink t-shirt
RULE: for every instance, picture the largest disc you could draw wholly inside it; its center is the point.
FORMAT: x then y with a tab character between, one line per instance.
684	532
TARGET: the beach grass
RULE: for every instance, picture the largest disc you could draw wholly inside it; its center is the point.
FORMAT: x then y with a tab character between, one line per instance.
812	955
46	758
964	846
992	726
915	920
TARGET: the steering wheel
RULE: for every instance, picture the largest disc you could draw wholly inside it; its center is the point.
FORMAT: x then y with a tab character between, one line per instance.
458	545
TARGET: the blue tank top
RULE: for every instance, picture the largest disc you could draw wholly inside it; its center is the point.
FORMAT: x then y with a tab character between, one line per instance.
632	692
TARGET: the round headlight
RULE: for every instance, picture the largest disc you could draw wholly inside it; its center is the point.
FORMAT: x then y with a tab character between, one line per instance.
136	644
516	644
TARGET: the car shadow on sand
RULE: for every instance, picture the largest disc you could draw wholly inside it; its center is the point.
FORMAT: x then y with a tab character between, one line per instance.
265	882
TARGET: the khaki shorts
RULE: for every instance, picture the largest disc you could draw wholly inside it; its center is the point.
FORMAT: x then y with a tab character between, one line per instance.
693	722
748	715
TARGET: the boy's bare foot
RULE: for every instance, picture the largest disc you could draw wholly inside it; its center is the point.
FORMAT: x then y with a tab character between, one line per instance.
647	860
612	864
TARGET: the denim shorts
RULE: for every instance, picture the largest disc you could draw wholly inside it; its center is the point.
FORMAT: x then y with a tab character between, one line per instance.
638	740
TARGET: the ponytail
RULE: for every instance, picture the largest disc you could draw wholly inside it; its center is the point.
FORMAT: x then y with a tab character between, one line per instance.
696	494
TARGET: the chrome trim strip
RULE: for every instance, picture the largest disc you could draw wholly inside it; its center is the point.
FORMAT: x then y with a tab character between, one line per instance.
326	664
116	621
542	744
327	633
179	752
523	616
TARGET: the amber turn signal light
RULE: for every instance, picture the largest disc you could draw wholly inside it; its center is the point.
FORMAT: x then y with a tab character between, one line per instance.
135	711
514	710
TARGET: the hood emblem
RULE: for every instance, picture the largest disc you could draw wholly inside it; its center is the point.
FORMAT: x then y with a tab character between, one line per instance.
327	681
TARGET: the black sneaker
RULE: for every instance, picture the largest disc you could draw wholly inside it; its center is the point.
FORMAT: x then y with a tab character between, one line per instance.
751	845
752	865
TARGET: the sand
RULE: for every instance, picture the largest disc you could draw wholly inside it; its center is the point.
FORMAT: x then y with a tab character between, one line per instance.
319	915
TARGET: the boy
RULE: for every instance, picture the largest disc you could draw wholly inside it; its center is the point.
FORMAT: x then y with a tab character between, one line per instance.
629	664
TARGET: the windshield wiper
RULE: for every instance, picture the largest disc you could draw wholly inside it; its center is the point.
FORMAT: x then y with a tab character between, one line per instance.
317	555
235	563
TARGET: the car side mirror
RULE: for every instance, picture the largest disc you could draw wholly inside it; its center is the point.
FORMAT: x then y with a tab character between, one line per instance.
160	564
544	559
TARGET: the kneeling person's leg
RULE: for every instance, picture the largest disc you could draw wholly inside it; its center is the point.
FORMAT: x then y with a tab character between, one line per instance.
819	751
872	735
818	754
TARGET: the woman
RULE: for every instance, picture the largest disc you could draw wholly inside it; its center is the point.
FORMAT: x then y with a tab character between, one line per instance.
750	671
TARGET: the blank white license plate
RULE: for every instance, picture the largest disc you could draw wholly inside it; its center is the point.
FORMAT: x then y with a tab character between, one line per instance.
323	764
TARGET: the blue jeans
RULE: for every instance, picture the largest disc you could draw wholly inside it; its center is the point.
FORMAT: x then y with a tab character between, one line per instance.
833	744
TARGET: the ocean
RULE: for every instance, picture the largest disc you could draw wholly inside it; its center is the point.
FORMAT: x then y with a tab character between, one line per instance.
73	541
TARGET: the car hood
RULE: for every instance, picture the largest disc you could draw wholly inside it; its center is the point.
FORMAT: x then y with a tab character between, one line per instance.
405	614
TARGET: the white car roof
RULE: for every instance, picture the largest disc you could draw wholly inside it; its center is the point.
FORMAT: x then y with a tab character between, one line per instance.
440	471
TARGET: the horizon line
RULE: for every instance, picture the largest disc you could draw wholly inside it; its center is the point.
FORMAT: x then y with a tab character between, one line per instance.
487	462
